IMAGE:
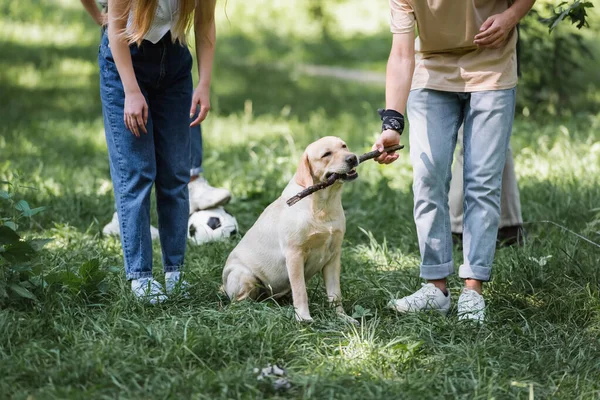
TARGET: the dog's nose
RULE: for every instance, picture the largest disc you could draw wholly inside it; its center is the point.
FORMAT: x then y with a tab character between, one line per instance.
352	160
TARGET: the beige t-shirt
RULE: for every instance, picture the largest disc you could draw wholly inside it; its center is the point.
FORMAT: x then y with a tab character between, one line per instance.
445	57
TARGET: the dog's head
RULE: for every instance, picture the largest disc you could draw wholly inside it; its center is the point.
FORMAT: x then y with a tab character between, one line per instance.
323	158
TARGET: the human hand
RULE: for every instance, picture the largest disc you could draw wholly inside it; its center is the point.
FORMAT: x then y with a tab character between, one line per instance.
136	112
200	98
494	31
387	138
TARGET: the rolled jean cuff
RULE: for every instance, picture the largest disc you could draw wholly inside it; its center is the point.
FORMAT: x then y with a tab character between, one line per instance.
138	275
440	271
475	272
173	268
195	171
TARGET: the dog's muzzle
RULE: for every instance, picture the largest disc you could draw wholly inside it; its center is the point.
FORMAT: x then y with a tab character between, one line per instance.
348	174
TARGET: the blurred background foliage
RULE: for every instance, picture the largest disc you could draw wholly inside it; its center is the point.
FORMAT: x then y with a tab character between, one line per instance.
560	74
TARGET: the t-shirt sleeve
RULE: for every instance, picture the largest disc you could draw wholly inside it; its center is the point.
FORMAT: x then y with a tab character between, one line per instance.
402	18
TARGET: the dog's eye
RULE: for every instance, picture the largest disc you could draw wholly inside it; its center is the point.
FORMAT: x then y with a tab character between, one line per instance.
344	146
326	154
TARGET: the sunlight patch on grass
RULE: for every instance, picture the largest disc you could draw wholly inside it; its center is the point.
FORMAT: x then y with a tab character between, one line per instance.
362	352
236	130
380	257
292	17
26	76
45	34
68	72
558	157
279	17
354	17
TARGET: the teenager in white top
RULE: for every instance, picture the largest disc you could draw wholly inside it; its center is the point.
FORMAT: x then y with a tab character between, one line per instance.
148	100
201	194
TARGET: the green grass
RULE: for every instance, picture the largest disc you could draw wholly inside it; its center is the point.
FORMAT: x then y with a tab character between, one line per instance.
544	320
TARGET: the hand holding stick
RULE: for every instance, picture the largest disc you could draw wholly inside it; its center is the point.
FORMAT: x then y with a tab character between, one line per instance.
311	189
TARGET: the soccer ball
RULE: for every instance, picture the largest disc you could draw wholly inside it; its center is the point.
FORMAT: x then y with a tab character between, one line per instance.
211	225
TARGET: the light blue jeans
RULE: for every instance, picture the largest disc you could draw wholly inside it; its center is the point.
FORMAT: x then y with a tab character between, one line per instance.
434	118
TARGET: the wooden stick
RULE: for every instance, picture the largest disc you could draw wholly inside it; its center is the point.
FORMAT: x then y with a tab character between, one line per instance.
334	177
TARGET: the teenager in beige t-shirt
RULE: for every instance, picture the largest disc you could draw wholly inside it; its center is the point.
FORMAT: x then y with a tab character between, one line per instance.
460	70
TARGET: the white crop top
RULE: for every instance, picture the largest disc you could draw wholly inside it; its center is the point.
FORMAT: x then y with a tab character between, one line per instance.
165	18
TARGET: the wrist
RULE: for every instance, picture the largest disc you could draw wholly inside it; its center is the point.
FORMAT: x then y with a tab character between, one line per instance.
203	84
132	91
391	120
511	16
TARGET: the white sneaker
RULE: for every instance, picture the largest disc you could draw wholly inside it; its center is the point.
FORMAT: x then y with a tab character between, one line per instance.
148	289
114	229
471	306
175	282
428	297
203	196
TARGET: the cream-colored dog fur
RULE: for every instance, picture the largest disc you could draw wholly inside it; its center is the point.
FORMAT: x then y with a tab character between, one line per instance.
289	245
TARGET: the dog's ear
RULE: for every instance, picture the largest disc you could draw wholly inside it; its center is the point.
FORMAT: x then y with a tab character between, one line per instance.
304	173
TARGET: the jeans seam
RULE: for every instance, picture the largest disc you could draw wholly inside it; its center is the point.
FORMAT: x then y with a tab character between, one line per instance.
447	222
162	71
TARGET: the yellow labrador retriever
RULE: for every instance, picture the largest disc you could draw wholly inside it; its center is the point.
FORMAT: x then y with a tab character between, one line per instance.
289	245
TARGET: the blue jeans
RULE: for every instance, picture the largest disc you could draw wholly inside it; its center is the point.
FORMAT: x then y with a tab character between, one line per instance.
435	117
196	154
161	157
195	136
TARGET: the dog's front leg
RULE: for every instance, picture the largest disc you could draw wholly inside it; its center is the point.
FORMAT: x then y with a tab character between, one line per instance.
295	267
331	276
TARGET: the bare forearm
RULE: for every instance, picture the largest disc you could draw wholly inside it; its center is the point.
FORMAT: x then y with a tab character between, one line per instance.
92	9
519	9
119	47
205	53
398	79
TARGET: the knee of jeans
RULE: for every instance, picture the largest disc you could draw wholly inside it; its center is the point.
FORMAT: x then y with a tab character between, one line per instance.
173	182
484	181
427	182
134	184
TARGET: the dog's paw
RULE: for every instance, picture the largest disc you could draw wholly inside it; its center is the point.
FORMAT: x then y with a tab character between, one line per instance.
304	318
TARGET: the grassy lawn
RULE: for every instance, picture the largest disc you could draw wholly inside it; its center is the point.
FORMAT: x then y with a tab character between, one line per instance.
542	334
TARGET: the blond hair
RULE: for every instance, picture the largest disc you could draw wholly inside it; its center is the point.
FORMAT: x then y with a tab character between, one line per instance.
143	11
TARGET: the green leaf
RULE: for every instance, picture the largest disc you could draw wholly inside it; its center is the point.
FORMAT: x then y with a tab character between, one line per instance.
103	287
3	293
38	281
18	252
34	211
21	291
38	244
27	211
5	195
23	206
21	268
91	274
64	278
89	267
11	225
8	235
360	312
